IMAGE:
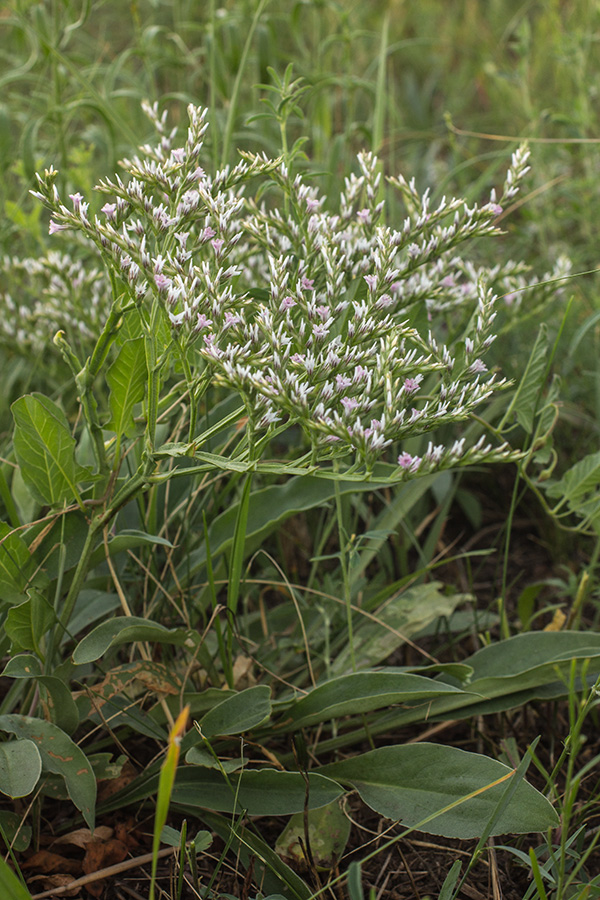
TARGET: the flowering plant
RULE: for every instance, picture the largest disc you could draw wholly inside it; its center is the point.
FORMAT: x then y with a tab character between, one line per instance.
328	321
351	333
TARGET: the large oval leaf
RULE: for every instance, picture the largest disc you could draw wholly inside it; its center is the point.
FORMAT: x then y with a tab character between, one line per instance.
20	768
45	450
59	755
127	379
413	782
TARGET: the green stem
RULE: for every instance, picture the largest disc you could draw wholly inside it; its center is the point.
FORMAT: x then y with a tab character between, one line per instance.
153	377
127	493
80	573
84	382
344	565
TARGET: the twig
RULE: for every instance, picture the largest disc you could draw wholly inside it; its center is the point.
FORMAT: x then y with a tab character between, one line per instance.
104	873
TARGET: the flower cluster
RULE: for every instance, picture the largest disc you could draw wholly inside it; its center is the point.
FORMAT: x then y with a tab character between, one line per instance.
335	321
55	292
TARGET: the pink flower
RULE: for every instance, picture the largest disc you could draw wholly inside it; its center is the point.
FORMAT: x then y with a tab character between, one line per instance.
349	404
162	282
54	227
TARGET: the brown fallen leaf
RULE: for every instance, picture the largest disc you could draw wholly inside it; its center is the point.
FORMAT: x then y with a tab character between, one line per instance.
100	855
83	836
127	833
46	862
58	881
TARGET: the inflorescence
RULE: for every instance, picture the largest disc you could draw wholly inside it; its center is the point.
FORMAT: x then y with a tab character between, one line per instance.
332	321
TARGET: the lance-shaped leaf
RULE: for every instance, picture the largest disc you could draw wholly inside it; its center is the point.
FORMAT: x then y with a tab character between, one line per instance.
265	792
362	692
45	450
127	379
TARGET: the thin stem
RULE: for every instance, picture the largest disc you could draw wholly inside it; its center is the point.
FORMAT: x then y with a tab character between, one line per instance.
344	565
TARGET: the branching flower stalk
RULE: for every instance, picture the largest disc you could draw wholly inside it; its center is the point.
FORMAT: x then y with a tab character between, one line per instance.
327	321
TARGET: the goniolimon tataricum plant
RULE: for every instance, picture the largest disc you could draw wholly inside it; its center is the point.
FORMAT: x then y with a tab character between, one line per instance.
241	327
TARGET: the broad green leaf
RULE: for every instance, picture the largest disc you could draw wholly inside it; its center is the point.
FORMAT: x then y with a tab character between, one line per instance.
45	450
62	545
20	767
530	660
24	665
127	630
27	623
328	833
16	565
127	379
264	792
237	714
362	692
61	756
10	886
17	834
120	711
410	783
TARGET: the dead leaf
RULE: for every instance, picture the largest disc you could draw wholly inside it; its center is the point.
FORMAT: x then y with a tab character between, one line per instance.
45	861
83	836
558	620
57	881
130	680
126	832
242	672
100	855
